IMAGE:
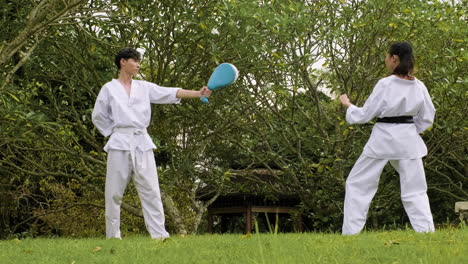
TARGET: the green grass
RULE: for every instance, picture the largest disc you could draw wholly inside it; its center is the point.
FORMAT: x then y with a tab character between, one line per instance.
444	246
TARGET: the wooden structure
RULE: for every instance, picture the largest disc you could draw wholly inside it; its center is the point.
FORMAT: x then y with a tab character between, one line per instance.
461	208
250	205
251	192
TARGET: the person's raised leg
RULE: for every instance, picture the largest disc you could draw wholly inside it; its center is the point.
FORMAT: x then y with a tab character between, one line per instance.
117	177
414	193
361	186
147	184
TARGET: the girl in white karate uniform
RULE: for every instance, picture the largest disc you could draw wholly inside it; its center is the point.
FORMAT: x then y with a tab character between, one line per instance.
403	109
123	112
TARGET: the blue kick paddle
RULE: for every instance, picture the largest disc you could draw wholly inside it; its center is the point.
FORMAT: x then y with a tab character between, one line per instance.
224	75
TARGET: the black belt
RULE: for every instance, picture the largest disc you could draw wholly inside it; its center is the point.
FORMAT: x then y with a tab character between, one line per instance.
396	119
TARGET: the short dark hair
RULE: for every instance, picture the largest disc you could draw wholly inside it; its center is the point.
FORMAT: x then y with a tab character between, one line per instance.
127	53
405	54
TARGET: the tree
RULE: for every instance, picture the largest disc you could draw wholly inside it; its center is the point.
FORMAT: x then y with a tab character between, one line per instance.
280	116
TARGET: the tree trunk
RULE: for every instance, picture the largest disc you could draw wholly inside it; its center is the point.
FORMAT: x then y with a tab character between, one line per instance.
174	213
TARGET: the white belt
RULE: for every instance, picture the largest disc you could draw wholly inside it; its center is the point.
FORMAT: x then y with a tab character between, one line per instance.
130	130
133	131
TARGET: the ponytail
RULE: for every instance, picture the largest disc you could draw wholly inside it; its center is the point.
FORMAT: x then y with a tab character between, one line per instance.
404	51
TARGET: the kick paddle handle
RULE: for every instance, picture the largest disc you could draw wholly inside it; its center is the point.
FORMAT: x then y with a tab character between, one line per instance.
204	99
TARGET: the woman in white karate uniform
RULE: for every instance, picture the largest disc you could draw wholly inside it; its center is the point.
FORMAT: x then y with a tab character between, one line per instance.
403	109
123	112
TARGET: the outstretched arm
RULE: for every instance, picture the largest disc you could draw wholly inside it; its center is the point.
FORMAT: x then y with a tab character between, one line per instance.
172	95
187	94
371	108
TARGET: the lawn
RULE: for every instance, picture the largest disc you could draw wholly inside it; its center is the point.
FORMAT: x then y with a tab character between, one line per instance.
444	246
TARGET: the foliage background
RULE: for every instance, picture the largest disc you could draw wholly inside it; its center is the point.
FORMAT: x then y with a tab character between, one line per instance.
280	116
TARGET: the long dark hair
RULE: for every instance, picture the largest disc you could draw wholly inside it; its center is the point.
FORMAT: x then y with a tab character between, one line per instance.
404	51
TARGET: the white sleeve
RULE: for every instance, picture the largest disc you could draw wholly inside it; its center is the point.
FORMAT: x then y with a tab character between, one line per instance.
162	95
425	117
372	107
102	114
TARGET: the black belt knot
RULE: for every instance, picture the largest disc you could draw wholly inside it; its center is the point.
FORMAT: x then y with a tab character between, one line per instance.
396	119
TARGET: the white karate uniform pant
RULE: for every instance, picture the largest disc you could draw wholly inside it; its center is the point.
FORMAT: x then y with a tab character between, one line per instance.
362	184
121	166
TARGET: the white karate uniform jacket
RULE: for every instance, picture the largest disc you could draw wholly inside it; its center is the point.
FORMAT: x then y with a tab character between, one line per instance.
115	109
393	96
